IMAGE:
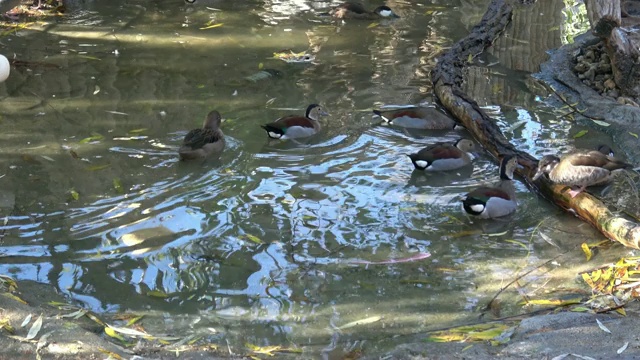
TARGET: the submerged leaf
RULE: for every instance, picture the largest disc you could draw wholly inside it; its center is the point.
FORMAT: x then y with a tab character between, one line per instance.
622	348
372	25
366	321
601	326
580	133
118	186
601	123
98	167
26	321
94	137
633	134
74	194
35	328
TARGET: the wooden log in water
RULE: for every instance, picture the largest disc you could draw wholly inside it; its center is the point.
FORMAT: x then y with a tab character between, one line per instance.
604	16
447	77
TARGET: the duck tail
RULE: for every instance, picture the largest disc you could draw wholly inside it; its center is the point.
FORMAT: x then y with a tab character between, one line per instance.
273	131
379	113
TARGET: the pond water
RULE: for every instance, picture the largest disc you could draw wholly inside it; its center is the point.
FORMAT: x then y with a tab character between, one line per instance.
281	243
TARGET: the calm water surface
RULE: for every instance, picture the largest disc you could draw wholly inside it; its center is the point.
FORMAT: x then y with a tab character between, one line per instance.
269	244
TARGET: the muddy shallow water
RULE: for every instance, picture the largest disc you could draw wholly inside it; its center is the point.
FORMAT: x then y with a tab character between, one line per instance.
275	242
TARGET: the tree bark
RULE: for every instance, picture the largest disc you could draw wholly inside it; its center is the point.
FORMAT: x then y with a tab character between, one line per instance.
447	78
604	16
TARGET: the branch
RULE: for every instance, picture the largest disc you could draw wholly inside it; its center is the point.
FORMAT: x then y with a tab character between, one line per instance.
447	77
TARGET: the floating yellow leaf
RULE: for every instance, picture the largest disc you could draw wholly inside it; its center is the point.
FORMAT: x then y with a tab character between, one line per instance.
580	133
157	293
138	131
14	297
260	66
553	302
74	194
93	137
110	354
98	167
633	134
134	320
109	331
254	239
211	26
580	309
95	318
270	350
372	25
6	325
586	250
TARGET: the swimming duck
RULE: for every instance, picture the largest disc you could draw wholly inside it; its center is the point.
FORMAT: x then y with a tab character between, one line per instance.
295	126
606	149
355	10
580	169
492	202
418	118
443	156
201	143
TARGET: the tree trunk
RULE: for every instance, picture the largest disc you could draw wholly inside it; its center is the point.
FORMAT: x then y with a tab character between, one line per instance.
447	78
604	16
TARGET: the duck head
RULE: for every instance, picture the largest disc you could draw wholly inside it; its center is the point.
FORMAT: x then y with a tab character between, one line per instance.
385	12
546	165
212	121
508	166
315	111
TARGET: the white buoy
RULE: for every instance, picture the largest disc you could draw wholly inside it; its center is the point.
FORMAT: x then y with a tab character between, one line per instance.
4	68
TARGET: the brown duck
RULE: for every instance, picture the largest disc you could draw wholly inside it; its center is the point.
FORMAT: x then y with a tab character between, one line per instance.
204	142
580	169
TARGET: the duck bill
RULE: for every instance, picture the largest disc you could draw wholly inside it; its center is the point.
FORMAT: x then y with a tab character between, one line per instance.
537	175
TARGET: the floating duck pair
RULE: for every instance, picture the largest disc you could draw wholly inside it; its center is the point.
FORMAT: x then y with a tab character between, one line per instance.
209	140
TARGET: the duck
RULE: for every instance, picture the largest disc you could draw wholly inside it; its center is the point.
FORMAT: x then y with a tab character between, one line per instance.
355	10
204	142
296	126
488	202
606	149
418	118
443	156
580	169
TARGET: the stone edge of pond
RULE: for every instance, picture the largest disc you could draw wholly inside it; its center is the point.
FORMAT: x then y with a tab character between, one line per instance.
557	73
71	339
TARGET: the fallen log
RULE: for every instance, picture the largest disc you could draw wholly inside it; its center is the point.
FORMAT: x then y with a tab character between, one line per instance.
447	78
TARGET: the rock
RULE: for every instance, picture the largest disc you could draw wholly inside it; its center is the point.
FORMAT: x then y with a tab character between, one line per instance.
581	67
603	68
589	55
609	84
